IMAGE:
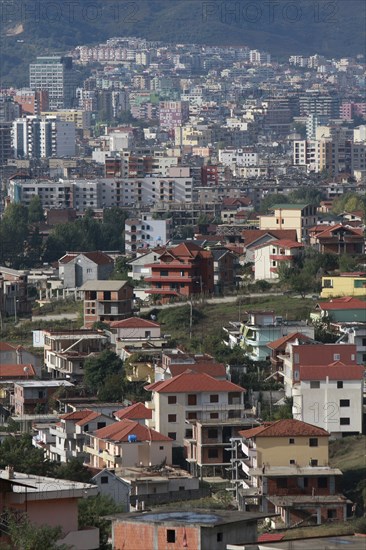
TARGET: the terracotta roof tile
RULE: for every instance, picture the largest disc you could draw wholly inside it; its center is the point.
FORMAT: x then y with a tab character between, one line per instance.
285	428
9	370
134	322
280	343
216	370
334	371
119	432
137	411
193	382
344	303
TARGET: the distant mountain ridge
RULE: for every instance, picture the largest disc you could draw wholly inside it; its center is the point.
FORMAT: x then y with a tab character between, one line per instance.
334	28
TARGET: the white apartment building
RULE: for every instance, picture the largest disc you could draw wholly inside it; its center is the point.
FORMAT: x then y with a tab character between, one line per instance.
52	194
330	397
145	232
238	157
43	137
308	154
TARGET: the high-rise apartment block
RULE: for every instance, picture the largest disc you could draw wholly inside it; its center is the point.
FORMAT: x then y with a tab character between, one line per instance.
55	75
43	137
173	114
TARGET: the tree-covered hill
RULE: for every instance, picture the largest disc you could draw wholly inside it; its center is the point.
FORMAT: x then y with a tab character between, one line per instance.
333	28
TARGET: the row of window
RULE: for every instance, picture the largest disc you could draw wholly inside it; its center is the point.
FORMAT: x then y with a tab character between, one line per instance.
192	399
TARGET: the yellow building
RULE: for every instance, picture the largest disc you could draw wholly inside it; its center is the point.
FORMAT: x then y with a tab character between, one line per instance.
81	119
346	284
291	216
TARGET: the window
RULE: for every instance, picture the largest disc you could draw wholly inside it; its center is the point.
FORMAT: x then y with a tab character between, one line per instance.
172	435
331	514
313	462
220	537
212	433
328	283
189	433
344	421
161	448
172	399
322	483
100	425
364	342
213	453
147	333
344	402
282	483
172	417
214	398
213	416
292	461
340	384
104	480
164	273
192	416
336	356
314	384
306	482
313	442
291	441
170	535
192	399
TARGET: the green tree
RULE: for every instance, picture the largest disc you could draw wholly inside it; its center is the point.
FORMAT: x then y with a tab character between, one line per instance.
112	389
271	200
35	210
98	369
91	512
73	470
24	457
25	535
13	235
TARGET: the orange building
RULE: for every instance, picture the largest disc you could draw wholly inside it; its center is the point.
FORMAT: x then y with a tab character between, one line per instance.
182	271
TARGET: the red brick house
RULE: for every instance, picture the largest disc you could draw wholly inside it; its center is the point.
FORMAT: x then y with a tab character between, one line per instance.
182	271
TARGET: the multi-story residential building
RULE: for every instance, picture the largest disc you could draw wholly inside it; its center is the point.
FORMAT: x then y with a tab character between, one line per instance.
264	327
198	398
56	76
330	396
17	355
52	194
269	257
127	443
146	232
312	353
354	333
136	332
283	467
181	271
31	396
316	103
14	298
345	284
106	301
174	362
75	268
238	157
6	148
278	348
254	238
173	114
224	263
138	265
65	352
337	239
79	117
32	102
43	137
291	216
70	433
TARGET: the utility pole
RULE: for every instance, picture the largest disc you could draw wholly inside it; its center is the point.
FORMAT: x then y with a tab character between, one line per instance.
190	318
15	309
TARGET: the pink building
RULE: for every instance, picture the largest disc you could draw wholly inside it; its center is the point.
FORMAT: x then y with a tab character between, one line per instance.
173	114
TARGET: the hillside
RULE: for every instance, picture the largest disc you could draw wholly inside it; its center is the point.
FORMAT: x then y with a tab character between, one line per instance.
334	28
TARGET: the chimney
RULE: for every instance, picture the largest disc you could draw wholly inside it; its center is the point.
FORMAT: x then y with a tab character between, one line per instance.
9	472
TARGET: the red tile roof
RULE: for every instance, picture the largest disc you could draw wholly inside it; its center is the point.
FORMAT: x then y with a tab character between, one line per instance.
330	229
346	302
284	428
334	371
97	257
190	381
9	370
76	415
252	235
216	370
134	322
92	416
137	411
280	343
284	243
4	346
119	432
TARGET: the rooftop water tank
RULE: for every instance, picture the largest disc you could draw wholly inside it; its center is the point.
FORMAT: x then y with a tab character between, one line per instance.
132	438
